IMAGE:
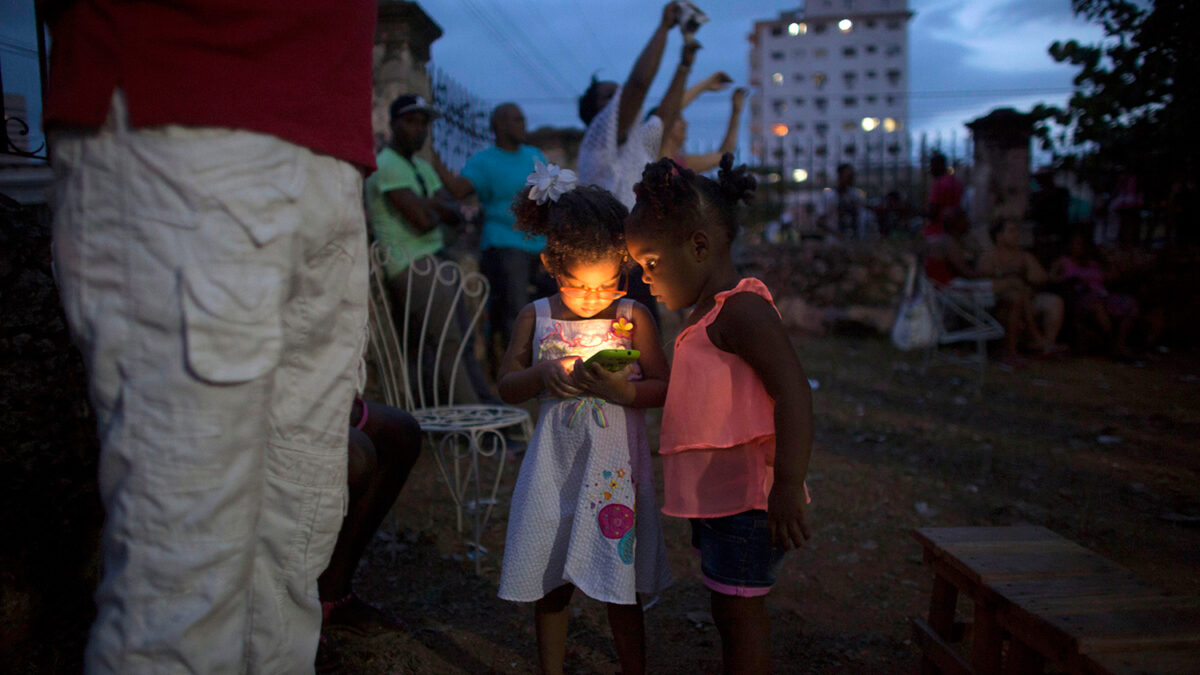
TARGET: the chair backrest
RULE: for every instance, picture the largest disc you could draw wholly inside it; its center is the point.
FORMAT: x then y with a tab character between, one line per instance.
410	324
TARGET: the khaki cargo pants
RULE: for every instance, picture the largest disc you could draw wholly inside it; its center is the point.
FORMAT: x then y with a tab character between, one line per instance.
216	283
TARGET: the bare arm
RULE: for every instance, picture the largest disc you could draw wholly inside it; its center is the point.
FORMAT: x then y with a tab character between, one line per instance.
520	378
711	160
633	94
416	210
671	106
714	82
458	186
651	390
750	328
1035	274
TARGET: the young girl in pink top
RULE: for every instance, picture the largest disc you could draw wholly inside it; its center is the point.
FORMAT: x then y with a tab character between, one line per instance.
737	425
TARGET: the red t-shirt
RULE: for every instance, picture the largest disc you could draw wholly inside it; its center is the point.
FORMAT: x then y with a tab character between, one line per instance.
946	191
300	70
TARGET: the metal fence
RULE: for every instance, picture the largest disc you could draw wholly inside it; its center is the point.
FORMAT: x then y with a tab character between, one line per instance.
463	128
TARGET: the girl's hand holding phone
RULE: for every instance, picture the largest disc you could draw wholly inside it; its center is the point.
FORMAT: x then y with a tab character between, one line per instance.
609	385
557	377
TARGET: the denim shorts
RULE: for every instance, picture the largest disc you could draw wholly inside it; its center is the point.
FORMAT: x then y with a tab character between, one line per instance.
736	555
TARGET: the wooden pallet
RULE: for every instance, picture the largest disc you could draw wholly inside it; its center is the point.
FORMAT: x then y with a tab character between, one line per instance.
1040	598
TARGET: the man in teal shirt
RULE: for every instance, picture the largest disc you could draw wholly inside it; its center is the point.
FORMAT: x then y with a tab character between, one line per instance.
509	258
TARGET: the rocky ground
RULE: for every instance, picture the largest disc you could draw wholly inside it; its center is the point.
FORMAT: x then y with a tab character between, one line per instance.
1099	452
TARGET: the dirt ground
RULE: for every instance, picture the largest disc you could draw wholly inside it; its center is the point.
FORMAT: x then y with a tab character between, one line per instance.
1100	452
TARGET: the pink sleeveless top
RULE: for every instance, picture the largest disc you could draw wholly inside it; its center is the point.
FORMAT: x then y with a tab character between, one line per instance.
718	428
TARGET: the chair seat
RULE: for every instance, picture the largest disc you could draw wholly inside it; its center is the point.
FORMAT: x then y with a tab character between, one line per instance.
469	417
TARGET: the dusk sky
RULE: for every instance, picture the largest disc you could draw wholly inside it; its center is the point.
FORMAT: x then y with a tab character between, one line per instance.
965	58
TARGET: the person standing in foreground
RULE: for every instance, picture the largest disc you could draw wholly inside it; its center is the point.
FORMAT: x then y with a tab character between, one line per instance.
210	250
509	258
737	426
583	510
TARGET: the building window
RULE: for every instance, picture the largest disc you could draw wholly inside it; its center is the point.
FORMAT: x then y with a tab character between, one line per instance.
819	27
849	125
777	56
849	52
799	126
890	125
777	78
870	23
893	25
849	76
819	79
871	75
821	151
799	100
849	101
821	128
850	149
891	100
820	53
893	76
797	77
777	31
820	103
871	49
797	28
779	105
845	25
872	99
779	130
893	50
800	51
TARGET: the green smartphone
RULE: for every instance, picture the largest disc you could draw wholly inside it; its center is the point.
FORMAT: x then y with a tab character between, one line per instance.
614	359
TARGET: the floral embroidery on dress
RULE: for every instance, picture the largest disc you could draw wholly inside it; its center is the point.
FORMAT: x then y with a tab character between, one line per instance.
622	328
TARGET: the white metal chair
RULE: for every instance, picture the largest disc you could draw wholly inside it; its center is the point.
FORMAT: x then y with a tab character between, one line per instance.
960	314
418	372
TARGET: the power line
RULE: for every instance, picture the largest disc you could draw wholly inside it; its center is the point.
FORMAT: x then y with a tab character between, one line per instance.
531	66
523	43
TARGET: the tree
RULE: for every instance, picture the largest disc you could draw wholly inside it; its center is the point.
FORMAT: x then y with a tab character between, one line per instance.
1135	106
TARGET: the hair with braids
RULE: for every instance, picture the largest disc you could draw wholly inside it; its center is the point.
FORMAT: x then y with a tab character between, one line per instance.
585	225
676	201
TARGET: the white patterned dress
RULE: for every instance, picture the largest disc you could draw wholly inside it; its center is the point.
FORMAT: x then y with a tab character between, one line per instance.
583	511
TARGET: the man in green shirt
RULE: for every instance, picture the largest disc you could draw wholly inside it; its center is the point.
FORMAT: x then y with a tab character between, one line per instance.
407	202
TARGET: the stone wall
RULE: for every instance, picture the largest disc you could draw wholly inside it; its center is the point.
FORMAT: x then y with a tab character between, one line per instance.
821	286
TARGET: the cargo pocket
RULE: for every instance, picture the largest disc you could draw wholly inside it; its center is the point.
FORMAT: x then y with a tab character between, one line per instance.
232	316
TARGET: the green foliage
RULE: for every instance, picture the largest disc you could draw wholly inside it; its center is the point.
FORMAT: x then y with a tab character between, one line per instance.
1135	103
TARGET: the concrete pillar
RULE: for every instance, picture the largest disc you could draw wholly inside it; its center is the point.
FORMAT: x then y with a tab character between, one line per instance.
1000	178
404	34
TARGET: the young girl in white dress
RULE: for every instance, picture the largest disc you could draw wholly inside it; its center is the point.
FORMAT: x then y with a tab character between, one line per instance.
583	512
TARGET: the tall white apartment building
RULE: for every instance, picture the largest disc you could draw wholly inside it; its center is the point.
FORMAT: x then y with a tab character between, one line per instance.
830	87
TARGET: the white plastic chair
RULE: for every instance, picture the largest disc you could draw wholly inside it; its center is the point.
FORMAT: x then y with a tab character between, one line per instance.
459	435
960	314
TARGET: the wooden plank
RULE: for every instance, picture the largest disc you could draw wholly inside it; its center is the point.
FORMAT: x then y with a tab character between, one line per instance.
1109	603
1022	659
1061	636
1157	662
936	653
936	537
1019	591
986	641
990	567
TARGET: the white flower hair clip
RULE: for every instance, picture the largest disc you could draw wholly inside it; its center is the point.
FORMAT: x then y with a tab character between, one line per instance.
550	181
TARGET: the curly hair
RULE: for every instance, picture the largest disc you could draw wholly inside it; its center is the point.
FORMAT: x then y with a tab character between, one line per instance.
676	201
585	225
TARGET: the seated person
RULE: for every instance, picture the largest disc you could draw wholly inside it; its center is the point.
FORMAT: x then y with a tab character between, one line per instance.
1027	314
384	445
1091	304
408	202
